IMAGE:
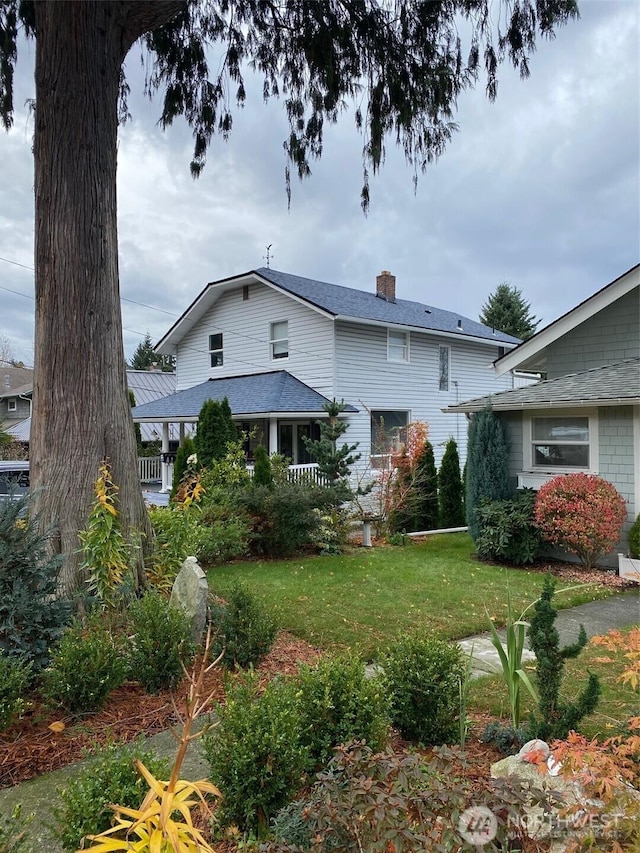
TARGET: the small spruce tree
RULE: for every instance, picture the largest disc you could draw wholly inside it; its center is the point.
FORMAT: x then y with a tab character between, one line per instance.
215	430
487	465
556	718
334	461
262	473
450	489
186	449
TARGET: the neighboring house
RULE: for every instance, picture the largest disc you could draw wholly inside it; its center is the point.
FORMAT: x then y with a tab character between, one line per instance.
280	346
15	397
15	403
586	415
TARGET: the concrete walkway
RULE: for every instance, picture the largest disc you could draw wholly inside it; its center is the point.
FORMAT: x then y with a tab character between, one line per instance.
40	795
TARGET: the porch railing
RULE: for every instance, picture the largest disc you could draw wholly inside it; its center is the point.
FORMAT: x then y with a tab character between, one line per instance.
299	473
149	469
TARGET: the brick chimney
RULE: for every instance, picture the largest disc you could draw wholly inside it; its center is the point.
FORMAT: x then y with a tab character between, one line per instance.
386	286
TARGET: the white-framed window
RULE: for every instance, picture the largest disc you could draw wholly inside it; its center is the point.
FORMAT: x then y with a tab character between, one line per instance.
279	339
561	442
397	345
388	430
215	350
444	360
12	404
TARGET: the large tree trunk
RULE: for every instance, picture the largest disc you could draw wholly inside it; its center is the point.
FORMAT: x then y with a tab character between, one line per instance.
81	411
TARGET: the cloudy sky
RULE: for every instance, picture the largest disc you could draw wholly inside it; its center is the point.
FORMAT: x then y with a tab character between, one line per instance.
540	189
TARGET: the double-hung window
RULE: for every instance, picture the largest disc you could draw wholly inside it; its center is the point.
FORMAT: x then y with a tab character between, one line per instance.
561	442
215	350
388	430
279	339
397	345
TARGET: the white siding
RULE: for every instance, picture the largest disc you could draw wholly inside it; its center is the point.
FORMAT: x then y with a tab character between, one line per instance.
245	329
367	380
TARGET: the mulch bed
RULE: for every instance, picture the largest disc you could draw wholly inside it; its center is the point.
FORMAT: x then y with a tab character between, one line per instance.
34	745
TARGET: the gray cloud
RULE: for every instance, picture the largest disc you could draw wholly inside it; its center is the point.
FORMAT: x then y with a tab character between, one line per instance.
540	189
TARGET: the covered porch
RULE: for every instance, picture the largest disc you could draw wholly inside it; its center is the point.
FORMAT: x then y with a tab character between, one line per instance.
273	409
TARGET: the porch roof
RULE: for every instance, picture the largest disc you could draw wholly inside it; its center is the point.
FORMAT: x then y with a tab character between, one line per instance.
257	394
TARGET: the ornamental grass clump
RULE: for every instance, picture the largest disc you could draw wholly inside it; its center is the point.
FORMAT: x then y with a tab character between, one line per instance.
581	513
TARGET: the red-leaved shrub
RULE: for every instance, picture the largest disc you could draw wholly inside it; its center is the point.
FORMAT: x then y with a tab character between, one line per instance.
581	513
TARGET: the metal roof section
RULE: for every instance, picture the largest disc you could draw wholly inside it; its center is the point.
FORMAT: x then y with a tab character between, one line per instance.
612	385
149	385
339	302
276	392
530	354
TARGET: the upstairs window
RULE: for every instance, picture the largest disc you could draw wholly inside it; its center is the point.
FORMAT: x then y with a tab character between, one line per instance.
560	442
443	370
279	339
397	345
12	404
215	350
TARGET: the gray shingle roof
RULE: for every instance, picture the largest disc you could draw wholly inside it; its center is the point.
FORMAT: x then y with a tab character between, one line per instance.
348	302
609	385
255	394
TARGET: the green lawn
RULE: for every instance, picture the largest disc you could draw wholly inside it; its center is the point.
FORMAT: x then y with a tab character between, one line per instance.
617	703
363	599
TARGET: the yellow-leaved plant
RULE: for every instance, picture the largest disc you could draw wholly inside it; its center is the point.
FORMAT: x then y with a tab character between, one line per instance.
163	823
106	553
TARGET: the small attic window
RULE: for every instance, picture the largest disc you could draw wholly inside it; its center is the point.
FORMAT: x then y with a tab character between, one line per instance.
245	292
12	404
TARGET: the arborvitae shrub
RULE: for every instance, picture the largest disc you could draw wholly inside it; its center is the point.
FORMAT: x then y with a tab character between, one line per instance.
32	617
243	628
109	777
262	474
186	449
160	644
426	504
487	465
450	488
215	430
338	704
422	674
88	663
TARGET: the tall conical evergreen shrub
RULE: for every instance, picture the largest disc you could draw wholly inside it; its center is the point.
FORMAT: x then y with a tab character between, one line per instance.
426	504
487	464
262	473
450	490
186	449
215	430
334	460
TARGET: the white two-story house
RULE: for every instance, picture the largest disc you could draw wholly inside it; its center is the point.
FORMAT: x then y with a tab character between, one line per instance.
279	346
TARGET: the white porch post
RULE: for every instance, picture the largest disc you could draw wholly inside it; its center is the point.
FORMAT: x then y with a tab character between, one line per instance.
273	435
166	481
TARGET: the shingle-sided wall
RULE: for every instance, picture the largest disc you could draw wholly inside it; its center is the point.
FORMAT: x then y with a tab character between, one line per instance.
610	336
617	461
244	324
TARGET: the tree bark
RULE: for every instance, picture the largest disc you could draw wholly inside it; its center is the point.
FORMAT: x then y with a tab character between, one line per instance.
81	411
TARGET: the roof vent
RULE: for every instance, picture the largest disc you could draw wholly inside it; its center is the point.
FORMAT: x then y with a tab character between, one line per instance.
386	286
460	324
7	380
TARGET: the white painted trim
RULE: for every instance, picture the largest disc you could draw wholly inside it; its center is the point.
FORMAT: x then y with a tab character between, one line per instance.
406	345
591	306
527	440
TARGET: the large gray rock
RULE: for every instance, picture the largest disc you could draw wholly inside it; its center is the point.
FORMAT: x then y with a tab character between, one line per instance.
190	592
